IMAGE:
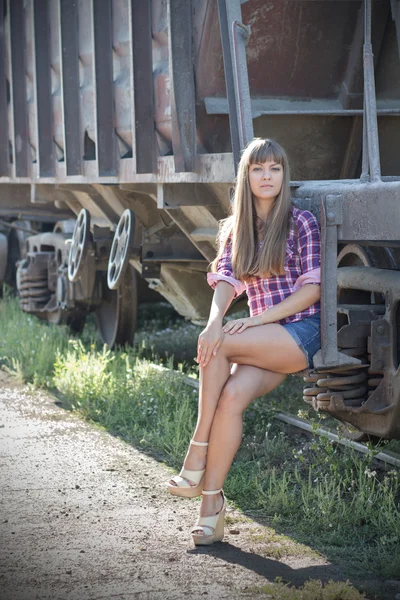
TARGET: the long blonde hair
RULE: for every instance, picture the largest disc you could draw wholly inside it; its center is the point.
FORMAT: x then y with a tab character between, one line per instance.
240	227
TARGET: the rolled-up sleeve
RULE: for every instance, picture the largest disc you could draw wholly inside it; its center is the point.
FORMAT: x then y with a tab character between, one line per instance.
310	250
225	272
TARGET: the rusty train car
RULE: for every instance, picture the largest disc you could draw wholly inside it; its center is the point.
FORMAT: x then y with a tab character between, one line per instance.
132	115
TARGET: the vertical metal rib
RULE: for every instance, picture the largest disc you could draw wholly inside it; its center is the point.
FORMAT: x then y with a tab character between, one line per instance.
73	137
242	90
45	150
3	99
18	87
143	149
395	6
328	288
229	80
183	100
365	157
103	68
370	97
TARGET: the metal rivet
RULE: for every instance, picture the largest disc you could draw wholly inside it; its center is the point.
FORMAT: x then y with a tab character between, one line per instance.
380	329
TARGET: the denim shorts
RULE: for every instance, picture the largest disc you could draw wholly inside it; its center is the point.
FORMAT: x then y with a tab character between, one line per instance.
307	334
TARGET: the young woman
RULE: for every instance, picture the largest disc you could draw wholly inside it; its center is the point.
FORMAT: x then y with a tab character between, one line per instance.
271	250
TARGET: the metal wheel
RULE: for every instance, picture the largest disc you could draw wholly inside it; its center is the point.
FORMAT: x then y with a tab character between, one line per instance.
355	255
79	245
122	243
116	317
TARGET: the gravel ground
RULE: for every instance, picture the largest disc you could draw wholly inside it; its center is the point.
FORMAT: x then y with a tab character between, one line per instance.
85	516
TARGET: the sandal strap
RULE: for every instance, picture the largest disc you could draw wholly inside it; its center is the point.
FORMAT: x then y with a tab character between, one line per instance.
198	443
207	522
192	475
202	528
182	480
211	492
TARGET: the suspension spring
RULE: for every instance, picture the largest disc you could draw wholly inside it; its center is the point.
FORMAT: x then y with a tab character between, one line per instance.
354	386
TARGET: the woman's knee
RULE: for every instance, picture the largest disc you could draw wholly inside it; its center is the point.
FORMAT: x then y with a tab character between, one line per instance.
231	400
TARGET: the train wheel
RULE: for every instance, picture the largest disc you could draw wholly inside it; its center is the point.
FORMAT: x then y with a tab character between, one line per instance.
116	317
119	255
352	385
79	245
353	255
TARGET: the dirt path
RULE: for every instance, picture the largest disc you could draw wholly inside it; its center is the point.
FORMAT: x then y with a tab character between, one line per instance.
84	516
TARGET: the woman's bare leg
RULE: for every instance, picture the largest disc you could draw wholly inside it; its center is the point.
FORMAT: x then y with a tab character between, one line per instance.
244	385
211	385
269	347
264	357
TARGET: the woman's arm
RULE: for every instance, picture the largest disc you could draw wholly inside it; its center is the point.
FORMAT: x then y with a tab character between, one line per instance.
211	338
307	295
297	302
223	296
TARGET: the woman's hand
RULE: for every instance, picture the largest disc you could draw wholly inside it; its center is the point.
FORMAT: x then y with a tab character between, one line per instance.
209	342
240	325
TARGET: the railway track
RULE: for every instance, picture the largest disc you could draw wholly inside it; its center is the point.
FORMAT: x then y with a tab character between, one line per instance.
389	458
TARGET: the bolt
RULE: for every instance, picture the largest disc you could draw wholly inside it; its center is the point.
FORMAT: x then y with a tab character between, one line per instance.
380	330
330	201
379	364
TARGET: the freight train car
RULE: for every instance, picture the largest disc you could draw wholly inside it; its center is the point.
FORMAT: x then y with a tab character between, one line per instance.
133	113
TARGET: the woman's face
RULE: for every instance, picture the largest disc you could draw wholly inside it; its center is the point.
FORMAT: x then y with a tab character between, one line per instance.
265	179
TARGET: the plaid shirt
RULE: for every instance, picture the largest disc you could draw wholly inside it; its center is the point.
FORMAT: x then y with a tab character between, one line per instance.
302	266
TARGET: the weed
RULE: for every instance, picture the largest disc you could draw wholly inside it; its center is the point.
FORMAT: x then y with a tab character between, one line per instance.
312	590
28	347
272	544
233	520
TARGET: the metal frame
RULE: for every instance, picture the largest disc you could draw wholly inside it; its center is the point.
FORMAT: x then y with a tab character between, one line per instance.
370	137
183	98
143	134
395	6
236	78
44	106
18	88
106	147
73	141
4	150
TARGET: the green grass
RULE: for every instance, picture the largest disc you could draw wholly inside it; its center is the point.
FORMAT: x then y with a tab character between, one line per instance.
321	495
127	395
312	590
28	346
